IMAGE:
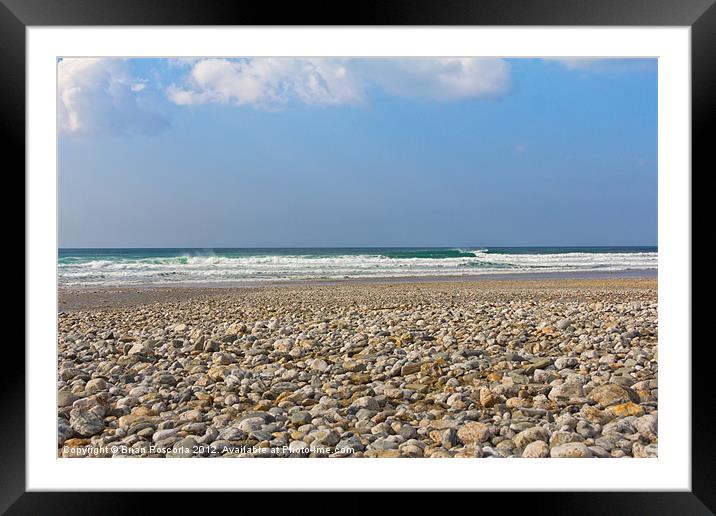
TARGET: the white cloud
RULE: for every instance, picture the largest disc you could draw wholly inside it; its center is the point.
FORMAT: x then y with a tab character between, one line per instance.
440	79
270	83
267	83
138	86
99	95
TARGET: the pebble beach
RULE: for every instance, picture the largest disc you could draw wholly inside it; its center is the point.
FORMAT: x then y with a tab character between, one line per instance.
530	368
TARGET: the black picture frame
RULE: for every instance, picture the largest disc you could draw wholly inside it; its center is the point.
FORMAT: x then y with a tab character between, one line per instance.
700	15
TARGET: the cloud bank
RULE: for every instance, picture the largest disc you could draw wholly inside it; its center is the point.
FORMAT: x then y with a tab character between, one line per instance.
104	96
271	83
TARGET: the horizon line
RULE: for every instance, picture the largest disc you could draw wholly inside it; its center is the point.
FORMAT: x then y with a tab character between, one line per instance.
362	246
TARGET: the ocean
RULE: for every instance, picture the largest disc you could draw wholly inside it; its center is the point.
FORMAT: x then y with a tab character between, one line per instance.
116	267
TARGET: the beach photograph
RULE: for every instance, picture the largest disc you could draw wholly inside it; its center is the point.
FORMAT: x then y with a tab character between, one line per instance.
398	257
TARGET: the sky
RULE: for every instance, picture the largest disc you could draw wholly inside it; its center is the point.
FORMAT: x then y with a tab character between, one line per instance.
218	152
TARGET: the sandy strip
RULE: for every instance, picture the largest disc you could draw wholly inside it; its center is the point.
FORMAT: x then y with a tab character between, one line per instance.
87	298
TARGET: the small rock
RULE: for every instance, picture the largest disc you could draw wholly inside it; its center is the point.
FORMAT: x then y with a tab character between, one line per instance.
408	432
66	399
353	366
251	424
625	409
570	451
647	426
211	346
595	415
139	349
85	422
326	437
536	433
566	392
300	418
536	450
96	385
318	364
298	447
366	402
565	362
283	345
162	435
410	368
612	394
64	431
473	433
559	438
563	324
449	438
167	379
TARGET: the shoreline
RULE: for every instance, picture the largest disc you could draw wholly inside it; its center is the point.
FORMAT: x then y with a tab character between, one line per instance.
485	276
71	298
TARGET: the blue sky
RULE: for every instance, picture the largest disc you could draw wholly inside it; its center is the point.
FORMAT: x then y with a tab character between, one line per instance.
351	152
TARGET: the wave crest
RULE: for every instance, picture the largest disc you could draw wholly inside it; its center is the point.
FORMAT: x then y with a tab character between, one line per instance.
119	270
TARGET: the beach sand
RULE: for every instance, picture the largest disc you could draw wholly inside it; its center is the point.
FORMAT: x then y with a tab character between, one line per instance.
518	367
85	297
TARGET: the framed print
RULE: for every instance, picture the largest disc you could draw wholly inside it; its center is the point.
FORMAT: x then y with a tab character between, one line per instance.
269	254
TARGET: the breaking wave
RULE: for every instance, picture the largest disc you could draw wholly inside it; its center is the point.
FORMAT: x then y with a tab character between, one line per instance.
127	267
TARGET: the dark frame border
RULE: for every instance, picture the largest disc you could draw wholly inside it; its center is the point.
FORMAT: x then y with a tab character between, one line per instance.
700	15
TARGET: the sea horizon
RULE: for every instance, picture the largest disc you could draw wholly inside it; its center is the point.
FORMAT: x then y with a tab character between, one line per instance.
214	247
